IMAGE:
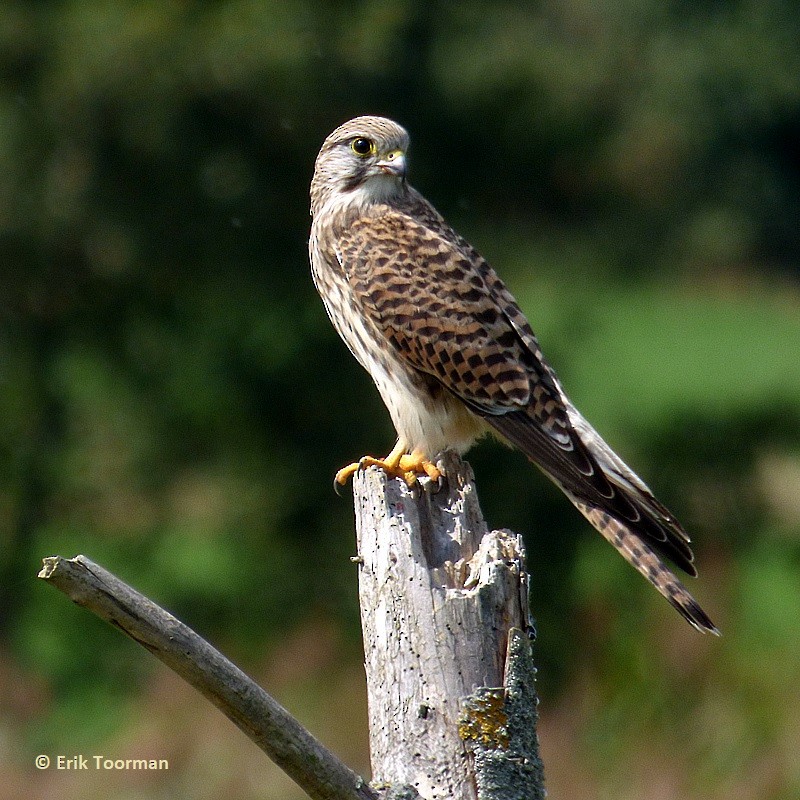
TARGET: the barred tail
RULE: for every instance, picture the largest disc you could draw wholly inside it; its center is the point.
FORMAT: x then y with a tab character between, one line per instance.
637	553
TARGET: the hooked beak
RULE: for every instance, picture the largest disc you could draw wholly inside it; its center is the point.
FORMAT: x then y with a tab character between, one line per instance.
393	163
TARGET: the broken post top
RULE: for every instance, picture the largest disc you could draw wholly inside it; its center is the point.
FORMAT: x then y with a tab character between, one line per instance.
445	521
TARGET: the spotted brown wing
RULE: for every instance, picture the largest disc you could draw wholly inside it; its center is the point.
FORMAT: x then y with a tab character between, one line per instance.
428	295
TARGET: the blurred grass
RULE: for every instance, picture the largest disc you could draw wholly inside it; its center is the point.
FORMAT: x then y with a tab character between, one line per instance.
648	353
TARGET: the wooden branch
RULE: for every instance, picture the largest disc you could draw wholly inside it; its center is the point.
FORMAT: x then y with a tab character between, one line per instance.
444	611
318	771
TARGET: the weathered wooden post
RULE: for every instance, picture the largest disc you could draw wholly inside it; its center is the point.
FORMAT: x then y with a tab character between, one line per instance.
444	610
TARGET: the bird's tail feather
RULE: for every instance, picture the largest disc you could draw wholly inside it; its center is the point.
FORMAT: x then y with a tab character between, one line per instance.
639	555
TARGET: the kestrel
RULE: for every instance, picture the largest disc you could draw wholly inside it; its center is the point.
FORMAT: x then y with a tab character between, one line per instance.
452	354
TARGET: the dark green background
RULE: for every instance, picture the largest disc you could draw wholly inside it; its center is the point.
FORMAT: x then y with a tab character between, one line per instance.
174	401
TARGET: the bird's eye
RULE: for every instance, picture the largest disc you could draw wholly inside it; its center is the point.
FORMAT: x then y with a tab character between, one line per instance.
362	147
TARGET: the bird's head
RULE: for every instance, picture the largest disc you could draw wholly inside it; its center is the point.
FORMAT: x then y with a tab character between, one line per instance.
361	162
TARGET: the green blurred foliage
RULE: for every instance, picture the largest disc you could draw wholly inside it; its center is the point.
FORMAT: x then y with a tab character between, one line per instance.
173	401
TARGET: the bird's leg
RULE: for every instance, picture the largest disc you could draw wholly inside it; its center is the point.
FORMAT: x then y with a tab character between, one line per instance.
397	464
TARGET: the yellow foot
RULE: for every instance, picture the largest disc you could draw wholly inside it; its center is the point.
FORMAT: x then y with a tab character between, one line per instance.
416	464
408	466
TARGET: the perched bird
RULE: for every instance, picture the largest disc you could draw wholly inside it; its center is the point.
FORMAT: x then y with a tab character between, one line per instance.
452	354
